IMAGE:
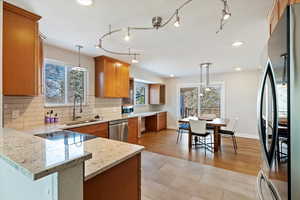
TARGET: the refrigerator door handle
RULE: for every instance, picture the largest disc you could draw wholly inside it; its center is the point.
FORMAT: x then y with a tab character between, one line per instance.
268	153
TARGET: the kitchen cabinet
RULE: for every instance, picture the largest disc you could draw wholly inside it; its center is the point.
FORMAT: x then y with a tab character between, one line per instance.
100	130
157	94
156	122
130	99
21	69
274	18
277	12
123	181
111	78
134	129
162	121
282	4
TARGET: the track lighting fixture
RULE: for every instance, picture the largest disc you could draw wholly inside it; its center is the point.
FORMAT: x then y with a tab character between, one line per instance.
134	59
177	22
127	36
158	23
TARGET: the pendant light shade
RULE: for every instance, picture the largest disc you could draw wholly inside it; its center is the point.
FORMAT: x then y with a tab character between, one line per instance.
207	79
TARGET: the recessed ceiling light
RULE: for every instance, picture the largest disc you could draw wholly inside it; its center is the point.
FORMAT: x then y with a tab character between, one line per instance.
238	69
85	2
237	44
172	75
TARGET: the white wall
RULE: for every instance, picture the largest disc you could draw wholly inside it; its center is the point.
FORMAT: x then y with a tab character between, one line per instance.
142	74
71	57
1	24
241	89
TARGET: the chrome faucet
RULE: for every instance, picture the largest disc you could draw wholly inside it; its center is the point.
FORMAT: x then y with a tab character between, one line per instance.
76	96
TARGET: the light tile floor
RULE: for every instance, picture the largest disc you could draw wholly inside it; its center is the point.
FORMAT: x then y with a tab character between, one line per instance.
168	178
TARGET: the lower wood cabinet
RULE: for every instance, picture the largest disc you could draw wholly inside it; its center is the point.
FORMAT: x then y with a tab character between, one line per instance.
162	121
156	122
133	129
122	182
100	130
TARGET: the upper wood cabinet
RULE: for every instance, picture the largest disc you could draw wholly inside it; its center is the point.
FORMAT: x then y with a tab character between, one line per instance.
111	78
277	12
157	94
274	18
21	70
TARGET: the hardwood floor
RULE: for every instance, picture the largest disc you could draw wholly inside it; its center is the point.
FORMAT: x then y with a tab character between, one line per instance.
247	160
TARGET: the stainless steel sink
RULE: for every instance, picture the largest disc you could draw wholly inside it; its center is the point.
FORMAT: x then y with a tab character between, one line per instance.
82	122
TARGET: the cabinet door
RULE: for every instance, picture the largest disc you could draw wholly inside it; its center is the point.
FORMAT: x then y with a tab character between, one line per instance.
162	94
20	48
122	81
274	18
100	130
110	81
133	130
294	1
282	6
162	120
154	94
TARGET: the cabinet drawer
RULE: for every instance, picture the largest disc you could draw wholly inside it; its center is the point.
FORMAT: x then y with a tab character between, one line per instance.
100	130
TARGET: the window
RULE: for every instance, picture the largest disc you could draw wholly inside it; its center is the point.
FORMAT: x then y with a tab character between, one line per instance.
141	91
210	102
205	103
62	82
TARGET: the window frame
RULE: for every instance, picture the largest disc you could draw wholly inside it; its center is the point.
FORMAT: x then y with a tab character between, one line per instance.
141	84
66	66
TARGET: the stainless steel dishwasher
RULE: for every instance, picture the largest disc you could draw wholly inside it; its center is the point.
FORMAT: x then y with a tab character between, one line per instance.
118	130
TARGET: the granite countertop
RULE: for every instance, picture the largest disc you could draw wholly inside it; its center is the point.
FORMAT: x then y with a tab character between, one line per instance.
57	127
36	157
107	154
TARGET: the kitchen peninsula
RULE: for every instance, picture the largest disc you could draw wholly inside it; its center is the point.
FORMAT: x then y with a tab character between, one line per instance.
46	169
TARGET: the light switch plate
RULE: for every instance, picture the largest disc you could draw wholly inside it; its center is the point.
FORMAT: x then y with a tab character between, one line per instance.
15	114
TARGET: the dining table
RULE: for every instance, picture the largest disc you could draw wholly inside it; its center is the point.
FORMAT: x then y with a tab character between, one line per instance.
216	124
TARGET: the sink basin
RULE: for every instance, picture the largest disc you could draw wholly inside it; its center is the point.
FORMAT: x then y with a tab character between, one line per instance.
82	122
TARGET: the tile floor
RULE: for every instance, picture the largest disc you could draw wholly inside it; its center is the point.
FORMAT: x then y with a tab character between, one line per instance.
168	178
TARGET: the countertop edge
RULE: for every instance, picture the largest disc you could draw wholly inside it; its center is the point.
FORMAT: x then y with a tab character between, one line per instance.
92	175
62	166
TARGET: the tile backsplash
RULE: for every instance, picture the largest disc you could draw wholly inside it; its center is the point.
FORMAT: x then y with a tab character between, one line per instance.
27	112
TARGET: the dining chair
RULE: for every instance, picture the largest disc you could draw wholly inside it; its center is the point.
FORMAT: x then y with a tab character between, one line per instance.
198	130
181	128
230	131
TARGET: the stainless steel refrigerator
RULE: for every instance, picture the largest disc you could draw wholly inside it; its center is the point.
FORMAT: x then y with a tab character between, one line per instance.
278	112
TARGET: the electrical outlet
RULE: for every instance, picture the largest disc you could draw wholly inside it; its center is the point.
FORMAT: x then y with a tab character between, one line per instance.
15	114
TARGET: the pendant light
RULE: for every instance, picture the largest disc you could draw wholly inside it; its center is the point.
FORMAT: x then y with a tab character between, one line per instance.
207	83
201	81
78	68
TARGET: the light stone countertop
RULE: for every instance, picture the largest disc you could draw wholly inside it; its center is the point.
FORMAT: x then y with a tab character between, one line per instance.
37	157
107	154
56	127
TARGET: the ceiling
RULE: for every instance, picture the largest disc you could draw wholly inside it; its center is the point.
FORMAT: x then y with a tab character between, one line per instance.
167	51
